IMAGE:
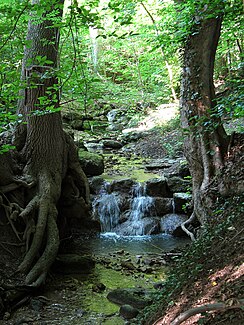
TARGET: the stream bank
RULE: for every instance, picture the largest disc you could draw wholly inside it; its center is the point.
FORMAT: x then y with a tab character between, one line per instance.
139	264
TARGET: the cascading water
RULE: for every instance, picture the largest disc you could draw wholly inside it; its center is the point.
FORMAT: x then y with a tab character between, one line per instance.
127	225
108	209
140	208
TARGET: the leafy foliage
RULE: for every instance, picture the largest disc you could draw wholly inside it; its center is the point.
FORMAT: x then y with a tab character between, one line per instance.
125	63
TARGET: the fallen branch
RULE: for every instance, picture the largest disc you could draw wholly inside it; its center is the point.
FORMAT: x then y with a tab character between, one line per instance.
230	304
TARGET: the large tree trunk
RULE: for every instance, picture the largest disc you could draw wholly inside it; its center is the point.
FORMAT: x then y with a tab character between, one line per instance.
205	138
47	154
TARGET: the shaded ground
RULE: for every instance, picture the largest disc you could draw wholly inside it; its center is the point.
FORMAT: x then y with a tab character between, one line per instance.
213	269
213	272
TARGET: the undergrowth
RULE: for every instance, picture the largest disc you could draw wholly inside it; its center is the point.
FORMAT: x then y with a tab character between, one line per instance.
197	261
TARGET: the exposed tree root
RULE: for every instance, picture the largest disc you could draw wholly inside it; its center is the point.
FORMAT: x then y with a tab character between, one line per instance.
38	273
202	309
187	222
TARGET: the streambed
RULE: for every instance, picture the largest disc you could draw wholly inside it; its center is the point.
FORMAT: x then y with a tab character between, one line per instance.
121	262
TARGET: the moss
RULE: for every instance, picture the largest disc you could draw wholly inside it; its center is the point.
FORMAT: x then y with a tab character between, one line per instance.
112	279
86	155
131	168
91	163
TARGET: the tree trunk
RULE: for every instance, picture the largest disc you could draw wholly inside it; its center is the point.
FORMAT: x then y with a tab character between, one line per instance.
205	138
47	154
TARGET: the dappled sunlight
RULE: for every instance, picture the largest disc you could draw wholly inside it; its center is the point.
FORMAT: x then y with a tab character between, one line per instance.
218	287
159	116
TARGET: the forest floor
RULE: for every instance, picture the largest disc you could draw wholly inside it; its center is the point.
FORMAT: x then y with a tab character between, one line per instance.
212	269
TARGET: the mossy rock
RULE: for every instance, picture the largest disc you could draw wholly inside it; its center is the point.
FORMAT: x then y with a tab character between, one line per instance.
91	163
137	298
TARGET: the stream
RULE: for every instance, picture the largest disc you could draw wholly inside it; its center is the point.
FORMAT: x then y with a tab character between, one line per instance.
81	298
126	254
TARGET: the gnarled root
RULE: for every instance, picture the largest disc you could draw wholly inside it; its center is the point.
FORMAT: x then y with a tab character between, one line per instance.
37	274
45	232
187	222
202	309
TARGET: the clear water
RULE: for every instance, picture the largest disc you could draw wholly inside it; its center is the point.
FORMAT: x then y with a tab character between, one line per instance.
138	245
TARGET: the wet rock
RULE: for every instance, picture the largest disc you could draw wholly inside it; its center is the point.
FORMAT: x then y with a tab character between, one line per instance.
91	163
128	312
170	222
147	226
122	185
96	183
158	187
137	298
113	144
151	226
163	205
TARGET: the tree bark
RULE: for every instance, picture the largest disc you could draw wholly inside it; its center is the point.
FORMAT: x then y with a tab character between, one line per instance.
48	156
205	139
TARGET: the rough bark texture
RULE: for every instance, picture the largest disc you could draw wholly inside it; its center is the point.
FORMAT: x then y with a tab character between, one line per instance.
206	141
47	169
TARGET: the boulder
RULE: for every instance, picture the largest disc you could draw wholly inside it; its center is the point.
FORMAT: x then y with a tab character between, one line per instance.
178	184
122	185
128	312
116	119
137	298
113	144
96	184
158	187
183	169
157	164
130	135
91	163
163	205
171	221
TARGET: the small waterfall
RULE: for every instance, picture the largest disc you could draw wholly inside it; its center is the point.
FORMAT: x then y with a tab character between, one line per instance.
140	208
173	206
107	209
